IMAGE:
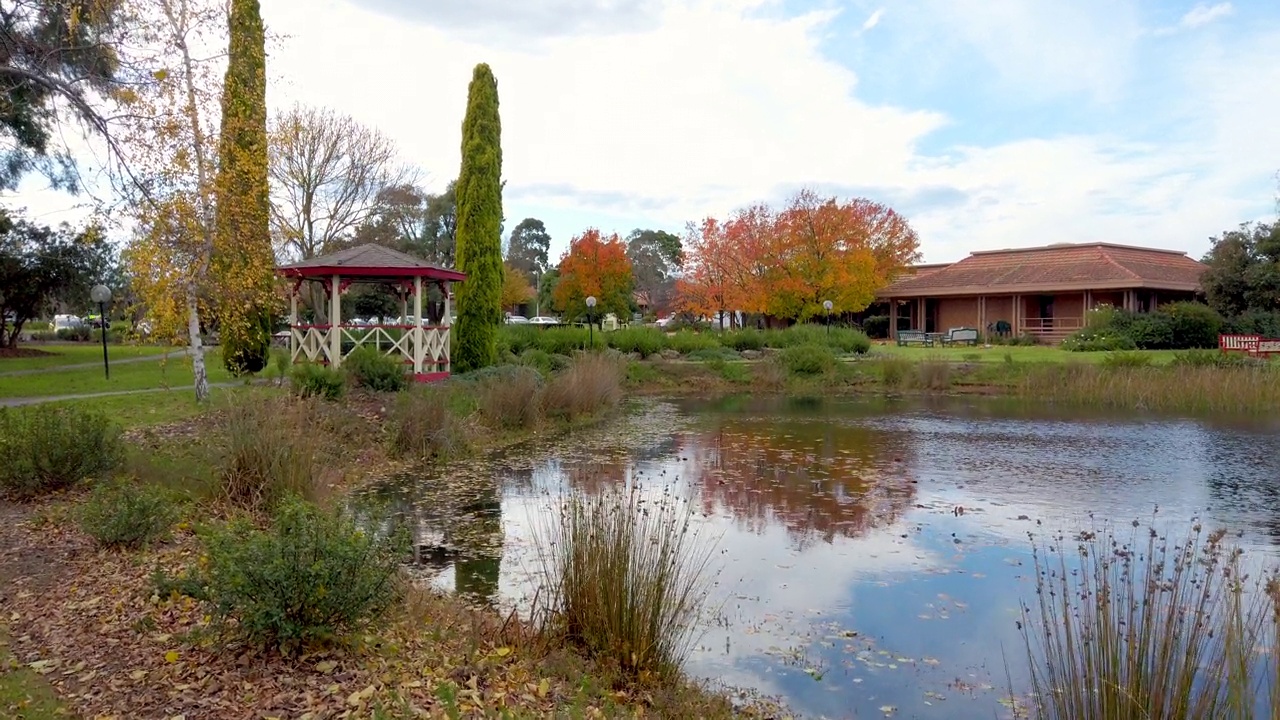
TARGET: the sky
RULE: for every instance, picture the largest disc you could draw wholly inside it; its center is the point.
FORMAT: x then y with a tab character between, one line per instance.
987	123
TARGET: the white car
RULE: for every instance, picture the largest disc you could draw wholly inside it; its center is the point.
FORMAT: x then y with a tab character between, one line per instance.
544	320
517	320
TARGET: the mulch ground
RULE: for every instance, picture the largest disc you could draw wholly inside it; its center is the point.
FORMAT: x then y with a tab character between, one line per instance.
90	622
23	352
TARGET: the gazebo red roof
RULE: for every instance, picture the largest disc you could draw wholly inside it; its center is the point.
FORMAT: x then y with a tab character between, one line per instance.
370	262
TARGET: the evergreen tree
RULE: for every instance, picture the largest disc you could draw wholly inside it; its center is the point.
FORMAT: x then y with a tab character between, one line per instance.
242	258
479	226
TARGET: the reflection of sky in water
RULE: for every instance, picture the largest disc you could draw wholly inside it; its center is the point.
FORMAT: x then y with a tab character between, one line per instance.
849	579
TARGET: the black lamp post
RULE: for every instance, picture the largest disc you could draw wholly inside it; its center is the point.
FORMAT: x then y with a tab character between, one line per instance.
827	304
591	327
101	294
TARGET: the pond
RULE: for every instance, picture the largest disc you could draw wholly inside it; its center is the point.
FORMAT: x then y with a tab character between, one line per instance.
871	553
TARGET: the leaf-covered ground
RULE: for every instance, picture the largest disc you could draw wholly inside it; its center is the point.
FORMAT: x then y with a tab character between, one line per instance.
90	624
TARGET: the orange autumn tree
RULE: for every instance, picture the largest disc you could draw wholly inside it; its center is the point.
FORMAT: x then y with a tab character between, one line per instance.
598	266
787	263
704	289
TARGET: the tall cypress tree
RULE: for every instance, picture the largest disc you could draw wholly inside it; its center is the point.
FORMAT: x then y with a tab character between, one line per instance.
242	258
479	226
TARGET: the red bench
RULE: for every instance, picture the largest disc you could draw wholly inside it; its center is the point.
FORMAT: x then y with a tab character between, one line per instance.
1252	344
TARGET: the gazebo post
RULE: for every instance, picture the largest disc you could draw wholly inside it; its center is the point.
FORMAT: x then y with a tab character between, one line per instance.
293	320
418	339
446	290
335	323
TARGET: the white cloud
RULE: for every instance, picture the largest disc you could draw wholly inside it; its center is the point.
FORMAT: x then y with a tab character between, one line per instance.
874	19
710	104
1204	14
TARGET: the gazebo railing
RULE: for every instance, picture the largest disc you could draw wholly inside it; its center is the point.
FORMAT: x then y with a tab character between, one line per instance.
423	348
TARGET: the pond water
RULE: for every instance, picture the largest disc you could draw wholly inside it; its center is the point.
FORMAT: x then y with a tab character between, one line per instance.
871	553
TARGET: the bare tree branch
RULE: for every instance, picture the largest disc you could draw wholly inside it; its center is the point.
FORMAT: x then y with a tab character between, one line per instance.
326	172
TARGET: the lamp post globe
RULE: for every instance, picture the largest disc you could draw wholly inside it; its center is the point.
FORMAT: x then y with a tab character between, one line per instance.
101	294
591	327
827	304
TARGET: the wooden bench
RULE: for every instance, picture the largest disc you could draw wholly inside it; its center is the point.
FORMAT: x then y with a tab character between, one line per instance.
919	337
961	336
1239	343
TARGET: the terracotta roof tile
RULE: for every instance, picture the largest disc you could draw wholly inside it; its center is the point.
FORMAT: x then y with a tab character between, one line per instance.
1056	267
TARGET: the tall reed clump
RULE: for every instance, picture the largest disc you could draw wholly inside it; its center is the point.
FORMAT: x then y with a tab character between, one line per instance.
934	374
512	399
423	426
895	372
1132	628
1206	388
628	573
271	449
591	384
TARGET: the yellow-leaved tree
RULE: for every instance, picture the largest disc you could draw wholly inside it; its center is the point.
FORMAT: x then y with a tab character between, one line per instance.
170	135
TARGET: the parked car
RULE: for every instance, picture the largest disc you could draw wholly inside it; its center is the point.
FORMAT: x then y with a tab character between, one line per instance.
544	320
517	320
66	322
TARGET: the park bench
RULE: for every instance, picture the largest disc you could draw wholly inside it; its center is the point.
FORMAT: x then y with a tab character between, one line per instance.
919	337
961	336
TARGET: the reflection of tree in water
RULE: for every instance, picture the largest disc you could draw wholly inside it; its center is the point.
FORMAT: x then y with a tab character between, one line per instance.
819	479
455	520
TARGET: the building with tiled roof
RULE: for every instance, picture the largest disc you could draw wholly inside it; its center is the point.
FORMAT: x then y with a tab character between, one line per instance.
1039	291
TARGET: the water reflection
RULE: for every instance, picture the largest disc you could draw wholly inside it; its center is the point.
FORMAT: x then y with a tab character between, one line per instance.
453	523
873	552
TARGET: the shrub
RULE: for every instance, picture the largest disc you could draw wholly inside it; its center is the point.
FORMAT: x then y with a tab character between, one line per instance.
628	573
517	339
313	380
1139	625
808	359
270	449
311	578
642	341
712	354
1127	359
845	340
592	383
738	373
46	448
512	399
422	425
377	371
76	334
1152	331
127	515
567	340
1209	358
876	326
687	341
1193	325
743	340
1090	340
537	359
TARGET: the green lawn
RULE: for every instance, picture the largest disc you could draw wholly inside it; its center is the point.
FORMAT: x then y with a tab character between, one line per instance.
171	372
156	408
996	353
72	354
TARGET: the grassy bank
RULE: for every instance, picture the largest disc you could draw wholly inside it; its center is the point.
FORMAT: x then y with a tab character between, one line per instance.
51	355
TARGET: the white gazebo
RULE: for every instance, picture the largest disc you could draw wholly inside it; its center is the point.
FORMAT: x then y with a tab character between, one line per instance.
424	347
